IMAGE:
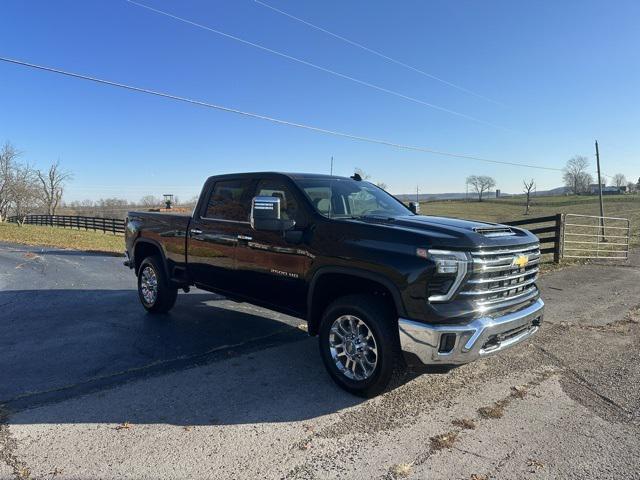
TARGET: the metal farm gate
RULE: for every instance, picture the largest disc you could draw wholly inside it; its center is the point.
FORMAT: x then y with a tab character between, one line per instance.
589	236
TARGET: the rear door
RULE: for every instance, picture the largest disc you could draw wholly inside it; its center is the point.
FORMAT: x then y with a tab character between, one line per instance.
272	265
214	234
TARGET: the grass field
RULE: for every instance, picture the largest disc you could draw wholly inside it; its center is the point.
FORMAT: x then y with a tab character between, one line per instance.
512	208
62	238
494	210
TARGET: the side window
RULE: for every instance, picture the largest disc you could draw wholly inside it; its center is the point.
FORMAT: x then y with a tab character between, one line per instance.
276	188
321	198
229	201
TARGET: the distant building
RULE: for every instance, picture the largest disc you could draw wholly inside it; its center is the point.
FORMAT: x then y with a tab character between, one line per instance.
593	188
612	190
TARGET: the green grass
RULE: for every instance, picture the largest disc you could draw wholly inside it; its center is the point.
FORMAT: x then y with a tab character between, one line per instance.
512	208
62	237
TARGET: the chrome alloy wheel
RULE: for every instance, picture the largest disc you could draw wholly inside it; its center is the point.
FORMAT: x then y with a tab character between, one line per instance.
353	347
149	285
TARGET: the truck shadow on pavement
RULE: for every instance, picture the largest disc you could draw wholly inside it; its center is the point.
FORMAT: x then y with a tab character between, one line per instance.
68	349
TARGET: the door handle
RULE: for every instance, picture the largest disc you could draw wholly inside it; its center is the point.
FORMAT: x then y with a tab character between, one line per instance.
245	237
195	231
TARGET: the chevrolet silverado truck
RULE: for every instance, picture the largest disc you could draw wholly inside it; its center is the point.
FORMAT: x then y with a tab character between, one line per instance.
381	286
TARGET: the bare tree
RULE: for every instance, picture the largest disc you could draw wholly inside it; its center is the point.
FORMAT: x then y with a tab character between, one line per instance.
619	180
528	187
8	156
363	175
149	201
481	184
24	192
52	184
631	187
575	175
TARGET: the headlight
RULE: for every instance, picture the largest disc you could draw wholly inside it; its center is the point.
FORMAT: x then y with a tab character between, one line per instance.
451	268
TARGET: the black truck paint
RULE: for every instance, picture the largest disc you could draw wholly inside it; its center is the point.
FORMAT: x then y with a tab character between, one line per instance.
325	252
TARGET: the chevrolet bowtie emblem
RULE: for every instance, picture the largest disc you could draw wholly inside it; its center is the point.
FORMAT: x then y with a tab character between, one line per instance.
520	261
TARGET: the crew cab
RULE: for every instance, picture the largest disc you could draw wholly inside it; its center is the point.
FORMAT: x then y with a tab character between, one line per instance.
380	285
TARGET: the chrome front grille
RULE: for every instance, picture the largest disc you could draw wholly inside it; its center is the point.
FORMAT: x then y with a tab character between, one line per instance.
502	277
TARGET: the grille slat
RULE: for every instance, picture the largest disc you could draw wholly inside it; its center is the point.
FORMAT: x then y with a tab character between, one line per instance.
502	278
501	289
483	280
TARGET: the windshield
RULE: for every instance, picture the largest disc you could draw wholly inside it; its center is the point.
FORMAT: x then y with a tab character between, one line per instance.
346	198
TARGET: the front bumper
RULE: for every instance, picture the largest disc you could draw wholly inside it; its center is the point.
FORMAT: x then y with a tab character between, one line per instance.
464	343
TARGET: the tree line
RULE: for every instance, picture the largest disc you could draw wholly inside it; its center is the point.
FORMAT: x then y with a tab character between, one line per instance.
25	189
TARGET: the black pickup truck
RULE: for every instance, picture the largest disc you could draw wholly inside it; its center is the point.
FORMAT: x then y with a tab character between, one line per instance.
378	284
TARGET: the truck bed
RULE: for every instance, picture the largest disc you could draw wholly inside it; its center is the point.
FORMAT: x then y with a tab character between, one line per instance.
167	230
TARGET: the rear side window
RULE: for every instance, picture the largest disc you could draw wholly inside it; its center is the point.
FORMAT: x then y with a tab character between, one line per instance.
229	200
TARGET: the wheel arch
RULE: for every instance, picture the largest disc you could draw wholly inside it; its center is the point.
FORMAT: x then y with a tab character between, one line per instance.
329	283
143	248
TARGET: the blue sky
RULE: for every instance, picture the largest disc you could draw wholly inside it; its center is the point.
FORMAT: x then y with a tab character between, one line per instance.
564	73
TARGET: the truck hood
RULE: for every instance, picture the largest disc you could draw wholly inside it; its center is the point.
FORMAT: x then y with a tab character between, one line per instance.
456	233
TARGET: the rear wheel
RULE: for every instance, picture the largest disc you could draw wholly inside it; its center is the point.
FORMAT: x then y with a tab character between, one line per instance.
154	289
359	345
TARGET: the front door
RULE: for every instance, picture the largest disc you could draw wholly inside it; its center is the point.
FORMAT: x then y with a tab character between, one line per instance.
273	267
214	235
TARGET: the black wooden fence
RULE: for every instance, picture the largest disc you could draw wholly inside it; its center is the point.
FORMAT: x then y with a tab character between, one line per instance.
106	225
551	230
548	229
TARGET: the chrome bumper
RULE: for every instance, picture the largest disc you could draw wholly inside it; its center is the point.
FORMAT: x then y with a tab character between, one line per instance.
458	344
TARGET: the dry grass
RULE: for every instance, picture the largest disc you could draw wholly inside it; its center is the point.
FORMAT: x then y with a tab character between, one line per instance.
519	391
494	411
465	423
62	238
512	208
401	470
444	440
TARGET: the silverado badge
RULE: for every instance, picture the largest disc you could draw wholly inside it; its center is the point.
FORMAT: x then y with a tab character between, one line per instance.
520	261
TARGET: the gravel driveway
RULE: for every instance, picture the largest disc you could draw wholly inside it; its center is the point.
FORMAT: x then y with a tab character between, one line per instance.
94	388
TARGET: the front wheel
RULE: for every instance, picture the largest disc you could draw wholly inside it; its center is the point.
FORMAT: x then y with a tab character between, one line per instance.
359	345
154	289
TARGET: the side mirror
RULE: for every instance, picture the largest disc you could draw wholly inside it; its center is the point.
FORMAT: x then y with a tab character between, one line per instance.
414	207
265	215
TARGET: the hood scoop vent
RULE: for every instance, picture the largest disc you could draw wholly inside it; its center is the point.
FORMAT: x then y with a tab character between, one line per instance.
497	231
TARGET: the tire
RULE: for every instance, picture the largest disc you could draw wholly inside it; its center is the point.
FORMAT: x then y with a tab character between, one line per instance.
156	294
374	320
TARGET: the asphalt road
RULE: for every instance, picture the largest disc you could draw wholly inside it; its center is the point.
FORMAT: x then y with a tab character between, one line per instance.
72	322
94	388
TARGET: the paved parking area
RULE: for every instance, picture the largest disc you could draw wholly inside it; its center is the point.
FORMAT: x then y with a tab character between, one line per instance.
94	388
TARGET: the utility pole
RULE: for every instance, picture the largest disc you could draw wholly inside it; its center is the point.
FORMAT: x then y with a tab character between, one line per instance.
600	193
417	196
331	165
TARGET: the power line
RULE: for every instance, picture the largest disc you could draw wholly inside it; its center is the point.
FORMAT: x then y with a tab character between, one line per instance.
318	67
267	118
376	52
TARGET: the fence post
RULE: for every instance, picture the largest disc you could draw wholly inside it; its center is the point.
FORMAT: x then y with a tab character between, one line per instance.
557	253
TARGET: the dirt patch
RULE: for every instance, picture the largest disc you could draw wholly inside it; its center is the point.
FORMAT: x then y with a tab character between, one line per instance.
8	446
623	326
464	423
494	411
442	441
